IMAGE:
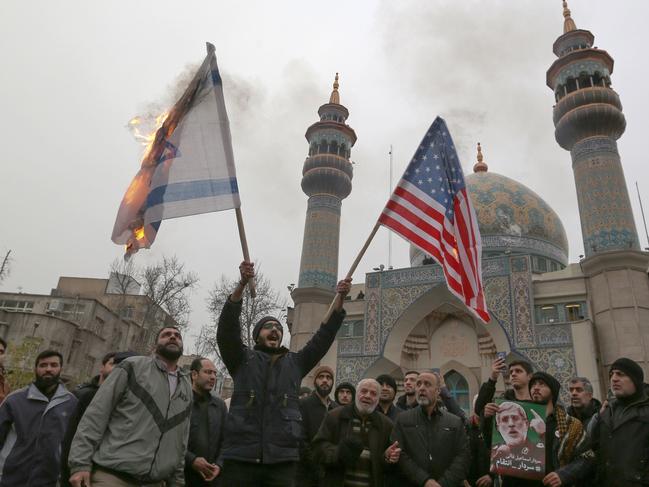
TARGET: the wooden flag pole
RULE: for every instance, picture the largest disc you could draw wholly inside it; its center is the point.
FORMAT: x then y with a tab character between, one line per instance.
352	269
244	247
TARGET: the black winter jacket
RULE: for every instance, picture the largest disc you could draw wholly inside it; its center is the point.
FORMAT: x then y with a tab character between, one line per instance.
622	447
264	424
216	414
336	427
313	413
442	455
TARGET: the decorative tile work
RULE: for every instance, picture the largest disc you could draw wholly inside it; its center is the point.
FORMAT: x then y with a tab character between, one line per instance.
558	361
350	346
427	274
505	207
394	302
521	283
498	294
351	369
574	70
553	335
372	333
604	207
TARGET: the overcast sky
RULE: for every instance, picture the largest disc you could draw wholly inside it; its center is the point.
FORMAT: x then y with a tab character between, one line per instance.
75	72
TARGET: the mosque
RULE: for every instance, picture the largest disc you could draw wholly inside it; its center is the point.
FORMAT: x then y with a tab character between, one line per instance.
565	318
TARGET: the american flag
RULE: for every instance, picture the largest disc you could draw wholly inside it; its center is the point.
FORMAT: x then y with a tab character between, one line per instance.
431	209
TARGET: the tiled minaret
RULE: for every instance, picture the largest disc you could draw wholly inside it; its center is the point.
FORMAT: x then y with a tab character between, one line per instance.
588	119
327	180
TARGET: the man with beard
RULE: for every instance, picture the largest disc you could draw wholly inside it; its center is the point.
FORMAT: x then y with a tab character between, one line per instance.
313	409
386	398
564	435
353	444
135	430
344	393
408	400
84	395
264	423
583	405
435	451
206	428
32	424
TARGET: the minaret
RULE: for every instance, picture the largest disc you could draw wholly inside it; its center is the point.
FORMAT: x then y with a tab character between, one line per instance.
588	119
327	180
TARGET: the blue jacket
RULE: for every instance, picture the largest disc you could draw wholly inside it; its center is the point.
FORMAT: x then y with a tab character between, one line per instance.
264	424
31	430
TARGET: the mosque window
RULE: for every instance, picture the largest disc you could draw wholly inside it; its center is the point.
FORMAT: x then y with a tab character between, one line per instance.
547	313
459	389
333	147
351	329
574	312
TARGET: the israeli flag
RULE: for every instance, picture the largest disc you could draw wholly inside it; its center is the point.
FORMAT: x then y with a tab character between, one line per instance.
190	167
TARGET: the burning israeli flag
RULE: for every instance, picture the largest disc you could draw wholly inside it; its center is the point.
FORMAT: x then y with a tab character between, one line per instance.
187	169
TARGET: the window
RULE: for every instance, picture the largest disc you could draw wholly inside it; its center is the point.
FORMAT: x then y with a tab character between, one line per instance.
548	313
574	312
351	329
12	305
127	312
459	389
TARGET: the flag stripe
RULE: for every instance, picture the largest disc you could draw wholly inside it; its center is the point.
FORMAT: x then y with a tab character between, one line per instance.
189	190
431	209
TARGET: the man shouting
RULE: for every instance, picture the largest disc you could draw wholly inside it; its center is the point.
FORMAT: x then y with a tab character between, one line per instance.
263	427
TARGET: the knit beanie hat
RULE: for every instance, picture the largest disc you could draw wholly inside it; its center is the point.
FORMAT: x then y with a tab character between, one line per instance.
387	379
260	323
345	385
549	381
320	369
630	368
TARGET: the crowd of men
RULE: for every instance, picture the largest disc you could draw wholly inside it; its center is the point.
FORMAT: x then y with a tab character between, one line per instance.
144	421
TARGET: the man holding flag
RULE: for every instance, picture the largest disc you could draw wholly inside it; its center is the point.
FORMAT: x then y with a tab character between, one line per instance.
264	424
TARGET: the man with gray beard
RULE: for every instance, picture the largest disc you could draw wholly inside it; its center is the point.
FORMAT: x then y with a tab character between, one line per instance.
435	451
353	443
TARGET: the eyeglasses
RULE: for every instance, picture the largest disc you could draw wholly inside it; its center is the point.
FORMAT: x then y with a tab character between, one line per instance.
269	325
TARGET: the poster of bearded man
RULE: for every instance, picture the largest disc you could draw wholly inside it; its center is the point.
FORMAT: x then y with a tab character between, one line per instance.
518	440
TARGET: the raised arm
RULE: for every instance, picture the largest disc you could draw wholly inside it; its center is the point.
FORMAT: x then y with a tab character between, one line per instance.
317	347
228	332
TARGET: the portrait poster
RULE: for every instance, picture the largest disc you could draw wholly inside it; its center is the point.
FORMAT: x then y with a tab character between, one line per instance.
518	440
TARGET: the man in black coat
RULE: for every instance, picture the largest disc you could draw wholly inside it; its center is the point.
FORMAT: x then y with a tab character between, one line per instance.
583	405
353	444
386	398
620	434
264	423
202	467
434	447
314	407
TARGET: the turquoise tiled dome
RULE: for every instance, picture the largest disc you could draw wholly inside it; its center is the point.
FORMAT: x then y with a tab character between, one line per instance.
512	218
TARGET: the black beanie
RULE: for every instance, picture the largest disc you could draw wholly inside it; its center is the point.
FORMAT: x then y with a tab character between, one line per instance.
549	381
387	379
345	385
630	368
260	323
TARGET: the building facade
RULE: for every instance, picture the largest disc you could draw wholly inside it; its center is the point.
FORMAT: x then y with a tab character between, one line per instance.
83	318
565	318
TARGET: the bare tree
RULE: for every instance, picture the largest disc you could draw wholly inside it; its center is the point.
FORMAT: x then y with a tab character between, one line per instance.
5	266
166	283
267	302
